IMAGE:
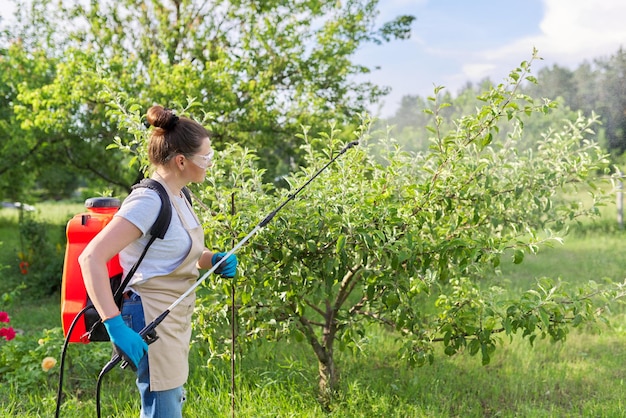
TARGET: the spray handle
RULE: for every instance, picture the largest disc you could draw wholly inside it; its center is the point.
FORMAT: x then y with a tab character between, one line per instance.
149	336
121	356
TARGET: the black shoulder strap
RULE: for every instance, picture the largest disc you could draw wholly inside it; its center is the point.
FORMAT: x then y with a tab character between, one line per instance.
187	194
159	228
165	215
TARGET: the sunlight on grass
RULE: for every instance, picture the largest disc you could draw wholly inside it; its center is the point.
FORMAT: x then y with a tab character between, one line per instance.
55	212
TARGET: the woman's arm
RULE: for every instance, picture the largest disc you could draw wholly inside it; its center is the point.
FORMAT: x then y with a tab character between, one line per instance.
204	262
93	263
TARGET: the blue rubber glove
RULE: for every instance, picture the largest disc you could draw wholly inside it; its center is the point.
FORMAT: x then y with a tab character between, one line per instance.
228	268
128	342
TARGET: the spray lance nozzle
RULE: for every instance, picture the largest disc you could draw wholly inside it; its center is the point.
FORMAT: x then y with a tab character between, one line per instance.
293	195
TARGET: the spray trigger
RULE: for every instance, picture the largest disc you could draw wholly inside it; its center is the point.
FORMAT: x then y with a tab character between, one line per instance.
149	336
125	360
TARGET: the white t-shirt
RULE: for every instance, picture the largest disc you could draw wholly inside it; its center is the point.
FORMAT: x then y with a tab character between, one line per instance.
141	208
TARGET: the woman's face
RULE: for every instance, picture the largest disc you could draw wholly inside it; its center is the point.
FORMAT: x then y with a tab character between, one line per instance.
201	161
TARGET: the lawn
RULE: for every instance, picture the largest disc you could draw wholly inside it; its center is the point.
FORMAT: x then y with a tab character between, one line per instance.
583	376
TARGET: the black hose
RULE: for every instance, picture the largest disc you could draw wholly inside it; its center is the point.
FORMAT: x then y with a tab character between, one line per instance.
63	353
98	385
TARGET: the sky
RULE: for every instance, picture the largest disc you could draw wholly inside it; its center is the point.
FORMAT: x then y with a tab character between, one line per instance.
458	41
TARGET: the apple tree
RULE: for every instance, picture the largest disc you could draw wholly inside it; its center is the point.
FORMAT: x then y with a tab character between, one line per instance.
403	239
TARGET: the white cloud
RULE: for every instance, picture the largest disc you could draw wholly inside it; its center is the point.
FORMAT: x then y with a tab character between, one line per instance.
581	28
478	71
7	9
572	31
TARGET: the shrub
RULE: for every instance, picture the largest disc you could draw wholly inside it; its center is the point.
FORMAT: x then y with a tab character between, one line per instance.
41	257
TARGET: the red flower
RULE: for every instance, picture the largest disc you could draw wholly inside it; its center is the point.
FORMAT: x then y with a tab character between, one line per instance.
7	333
4	317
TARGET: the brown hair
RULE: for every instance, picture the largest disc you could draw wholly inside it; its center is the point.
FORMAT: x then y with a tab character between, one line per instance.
172	135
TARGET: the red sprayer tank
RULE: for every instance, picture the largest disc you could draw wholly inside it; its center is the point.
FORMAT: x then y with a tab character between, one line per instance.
81	229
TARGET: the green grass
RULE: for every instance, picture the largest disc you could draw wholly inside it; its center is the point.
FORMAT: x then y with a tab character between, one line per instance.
55	212
581	377
578	260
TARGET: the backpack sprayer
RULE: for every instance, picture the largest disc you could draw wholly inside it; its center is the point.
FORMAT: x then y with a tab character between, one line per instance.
149	331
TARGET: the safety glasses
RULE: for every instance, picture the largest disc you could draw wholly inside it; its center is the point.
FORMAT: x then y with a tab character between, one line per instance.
203	161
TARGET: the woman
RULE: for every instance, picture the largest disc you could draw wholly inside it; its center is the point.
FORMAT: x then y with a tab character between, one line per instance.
180	151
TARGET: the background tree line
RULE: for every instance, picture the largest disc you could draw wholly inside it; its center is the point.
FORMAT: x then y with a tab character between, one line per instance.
597	86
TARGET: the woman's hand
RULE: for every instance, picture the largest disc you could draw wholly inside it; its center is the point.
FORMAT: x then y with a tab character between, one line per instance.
228	267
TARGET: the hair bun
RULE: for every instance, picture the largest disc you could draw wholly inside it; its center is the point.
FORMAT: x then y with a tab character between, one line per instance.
161	117
171	122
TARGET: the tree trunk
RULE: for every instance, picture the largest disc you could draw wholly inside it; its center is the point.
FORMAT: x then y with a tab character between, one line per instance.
328	375
328	378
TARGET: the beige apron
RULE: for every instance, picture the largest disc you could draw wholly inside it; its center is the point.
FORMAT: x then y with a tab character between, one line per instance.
168	356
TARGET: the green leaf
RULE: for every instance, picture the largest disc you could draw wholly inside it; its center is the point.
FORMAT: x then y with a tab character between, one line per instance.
545	317
341	243
246	297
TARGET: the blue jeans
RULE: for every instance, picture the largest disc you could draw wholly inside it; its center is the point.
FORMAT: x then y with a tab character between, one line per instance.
157	404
